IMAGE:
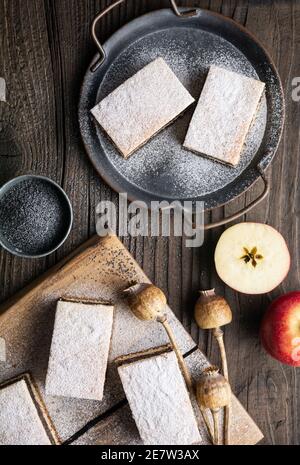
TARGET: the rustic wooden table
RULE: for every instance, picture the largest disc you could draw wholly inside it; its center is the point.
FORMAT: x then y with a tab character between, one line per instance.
45	48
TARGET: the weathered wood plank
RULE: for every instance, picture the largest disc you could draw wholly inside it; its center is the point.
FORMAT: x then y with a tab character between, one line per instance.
45	50
28	118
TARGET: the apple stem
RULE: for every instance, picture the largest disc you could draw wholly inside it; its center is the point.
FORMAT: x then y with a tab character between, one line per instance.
219	336
185	371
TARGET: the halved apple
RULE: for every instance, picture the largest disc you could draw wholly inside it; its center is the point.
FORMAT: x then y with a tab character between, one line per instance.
252	258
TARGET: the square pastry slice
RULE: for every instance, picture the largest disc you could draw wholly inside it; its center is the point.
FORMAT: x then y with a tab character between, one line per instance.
23	417
227	105
159	400
142	106
79	350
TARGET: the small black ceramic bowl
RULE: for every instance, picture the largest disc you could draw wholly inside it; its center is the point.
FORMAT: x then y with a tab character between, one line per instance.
35	216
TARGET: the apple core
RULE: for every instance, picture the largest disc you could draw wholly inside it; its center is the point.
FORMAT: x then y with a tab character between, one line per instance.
251	256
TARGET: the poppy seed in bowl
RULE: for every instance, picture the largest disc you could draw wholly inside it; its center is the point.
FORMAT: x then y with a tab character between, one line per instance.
35	216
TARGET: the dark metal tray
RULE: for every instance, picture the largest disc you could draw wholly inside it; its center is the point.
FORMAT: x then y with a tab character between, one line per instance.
190	41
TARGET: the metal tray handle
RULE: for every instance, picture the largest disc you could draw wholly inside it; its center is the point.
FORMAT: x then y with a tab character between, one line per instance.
101	59
95	66
244	210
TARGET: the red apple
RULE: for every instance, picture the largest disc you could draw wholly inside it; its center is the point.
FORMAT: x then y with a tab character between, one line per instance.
280	329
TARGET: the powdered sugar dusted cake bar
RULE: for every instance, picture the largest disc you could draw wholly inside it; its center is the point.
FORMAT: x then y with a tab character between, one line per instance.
159	400
22	420
227	105
142	106
79	350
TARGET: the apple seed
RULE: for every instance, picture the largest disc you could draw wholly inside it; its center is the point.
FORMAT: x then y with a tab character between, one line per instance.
251	256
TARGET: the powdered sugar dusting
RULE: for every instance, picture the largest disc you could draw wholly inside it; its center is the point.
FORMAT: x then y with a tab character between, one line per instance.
226	107
142	106
81	334
163	167
20	423
159	401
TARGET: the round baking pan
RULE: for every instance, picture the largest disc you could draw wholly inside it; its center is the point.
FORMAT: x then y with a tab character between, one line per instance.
189	41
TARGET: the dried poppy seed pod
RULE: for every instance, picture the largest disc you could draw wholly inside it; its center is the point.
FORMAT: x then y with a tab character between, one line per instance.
213	390
147	302
211	310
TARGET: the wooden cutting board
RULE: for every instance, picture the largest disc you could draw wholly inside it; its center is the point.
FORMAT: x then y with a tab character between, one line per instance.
100	269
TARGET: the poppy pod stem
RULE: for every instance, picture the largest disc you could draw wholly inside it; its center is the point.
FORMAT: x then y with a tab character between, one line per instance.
215	415
218	334
207	423
182	364
185	371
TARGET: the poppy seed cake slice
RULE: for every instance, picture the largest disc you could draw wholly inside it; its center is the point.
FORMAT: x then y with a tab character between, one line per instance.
23	419
226	107
159	400
142	106
79	350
